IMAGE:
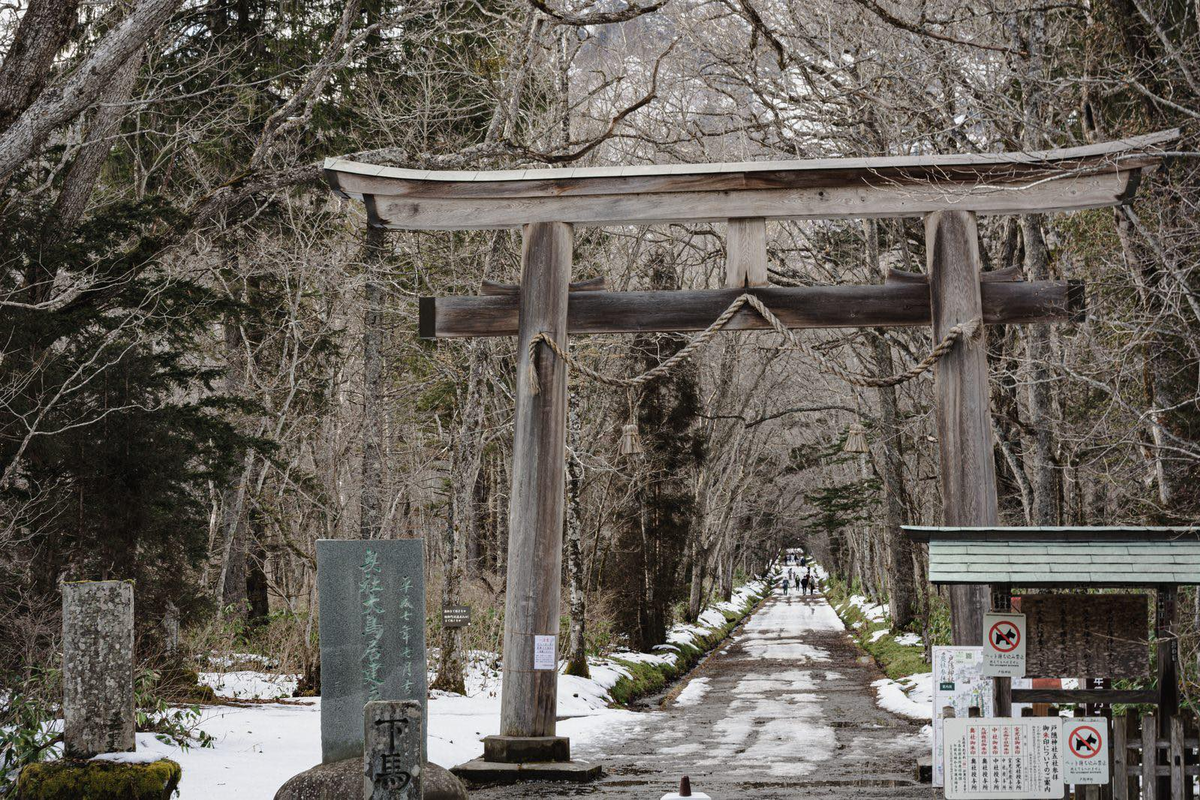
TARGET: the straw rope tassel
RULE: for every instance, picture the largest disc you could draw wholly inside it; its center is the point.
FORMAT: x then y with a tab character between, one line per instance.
969	329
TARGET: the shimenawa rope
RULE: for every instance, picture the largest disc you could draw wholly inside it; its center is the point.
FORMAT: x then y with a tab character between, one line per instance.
968	329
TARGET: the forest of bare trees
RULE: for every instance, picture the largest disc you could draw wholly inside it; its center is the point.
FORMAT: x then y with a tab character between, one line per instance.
209	362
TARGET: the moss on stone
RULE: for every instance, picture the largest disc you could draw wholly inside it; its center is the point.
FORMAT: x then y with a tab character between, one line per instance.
98	780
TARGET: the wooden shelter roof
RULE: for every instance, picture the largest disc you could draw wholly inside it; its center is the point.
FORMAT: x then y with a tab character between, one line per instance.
1061	556
1090	176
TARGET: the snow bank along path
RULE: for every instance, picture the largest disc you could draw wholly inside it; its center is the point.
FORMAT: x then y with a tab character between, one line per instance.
259	747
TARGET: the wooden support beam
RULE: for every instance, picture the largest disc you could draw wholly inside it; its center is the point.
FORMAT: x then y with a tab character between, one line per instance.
529	700
967	469
894	304
1101	696
746	253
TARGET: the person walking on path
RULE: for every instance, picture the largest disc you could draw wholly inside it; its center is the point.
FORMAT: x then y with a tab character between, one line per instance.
804	584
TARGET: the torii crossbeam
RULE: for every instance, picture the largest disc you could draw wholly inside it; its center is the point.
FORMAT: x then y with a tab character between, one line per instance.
947	190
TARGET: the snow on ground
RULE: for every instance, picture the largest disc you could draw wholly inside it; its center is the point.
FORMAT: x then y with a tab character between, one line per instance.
776	720
258	747
693	693
249	685
910	697
129	758
872	611
902	698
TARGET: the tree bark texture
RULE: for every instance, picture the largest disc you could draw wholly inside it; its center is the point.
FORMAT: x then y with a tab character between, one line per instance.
371	499
577	638
43	32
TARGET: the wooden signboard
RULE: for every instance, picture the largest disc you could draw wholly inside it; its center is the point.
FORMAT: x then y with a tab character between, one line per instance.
456	616
1088	635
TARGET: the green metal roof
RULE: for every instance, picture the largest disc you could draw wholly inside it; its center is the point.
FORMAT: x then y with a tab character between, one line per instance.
1062	556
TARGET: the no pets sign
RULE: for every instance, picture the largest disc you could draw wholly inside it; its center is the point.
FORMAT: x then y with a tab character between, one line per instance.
1003	645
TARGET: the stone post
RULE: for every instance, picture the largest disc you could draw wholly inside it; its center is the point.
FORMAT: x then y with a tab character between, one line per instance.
97	668
393	733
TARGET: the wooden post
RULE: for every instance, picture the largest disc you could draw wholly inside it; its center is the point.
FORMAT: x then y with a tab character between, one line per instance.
968	471
746	253
1120	758
1002	601
1168	668
1149	758
529	699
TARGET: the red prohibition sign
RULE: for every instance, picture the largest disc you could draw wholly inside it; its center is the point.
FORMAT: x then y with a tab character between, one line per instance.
1084	741
1004	636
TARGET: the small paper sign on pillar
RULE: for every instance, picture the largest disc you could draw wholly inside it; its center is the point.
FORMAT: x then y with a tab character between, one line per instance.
1085	751
1003	645
545	652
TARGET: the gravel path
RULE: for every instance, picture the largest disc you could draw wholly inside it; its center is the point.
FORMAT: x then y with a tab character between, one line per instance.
785	709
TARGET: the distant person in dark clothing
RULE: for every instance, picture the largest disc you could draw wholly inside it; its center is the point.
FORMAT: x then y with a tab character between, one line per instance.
804	584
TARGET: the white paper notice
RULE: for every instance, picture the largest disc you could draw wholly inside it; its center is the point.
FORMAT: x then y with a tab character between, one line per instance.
1003	758
545	652
1085	750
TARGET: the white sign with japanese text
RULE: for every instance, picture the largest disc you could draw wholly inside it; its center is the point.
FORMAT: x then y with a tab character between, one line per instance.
1085	750
1003	758
545	652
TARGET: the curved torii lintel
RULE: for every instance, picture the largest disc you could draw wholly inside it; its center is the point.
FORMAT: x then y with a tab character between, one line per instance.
1092	176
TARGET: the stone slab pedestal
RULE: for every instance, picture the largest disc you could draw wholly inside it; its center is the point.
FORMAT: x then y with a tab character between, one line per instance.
526	749
480	771
343	780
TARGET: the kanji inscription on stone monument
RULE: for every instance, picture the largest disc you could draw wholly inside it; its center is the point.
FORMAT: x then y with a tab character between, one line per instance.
372	607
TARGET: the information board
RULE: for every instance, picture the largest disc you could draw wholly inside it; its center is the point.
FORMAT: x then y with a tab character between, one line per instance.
958	682
456	616
1085	751
1003	758
1094	635
545	652
1004	645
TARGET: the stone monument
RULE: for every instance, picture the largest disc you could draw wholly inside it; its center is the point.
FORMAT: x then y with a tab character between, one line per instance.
97	668
393	733
98	706
372	615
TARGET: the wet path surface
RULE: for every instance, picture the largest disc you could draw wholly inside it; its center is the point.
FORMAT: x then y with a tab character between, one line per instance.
784	709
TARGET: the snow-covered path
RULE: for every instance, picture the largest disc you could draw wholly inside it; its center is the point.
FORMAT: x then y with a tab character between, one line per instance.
785	709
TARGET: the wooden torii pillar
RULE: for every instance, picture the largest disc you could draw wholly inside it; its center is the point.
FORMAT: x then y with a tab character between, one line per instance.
947	191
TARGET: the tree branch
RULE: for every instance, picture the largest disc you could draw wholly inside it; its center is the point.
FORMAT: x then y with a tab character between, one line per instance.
596	18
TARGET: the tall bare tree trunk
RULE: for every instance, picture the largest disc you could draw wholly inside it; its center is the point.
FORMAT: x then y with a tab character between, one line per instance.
231	588
699	559
1044	478
465	460
371	500
576	639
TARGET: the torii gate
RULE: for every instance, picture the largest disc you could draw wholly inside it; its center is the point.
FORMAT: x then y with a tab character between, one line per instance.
947	190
